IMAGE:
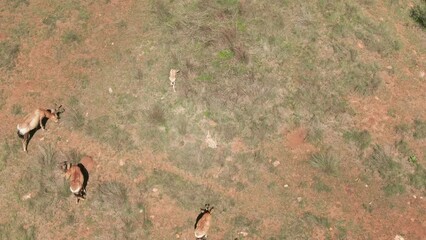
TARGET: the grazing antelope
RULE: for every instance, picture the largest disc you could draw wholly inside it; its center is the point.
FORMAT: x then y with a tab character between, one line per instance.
35	119
78	176
202	223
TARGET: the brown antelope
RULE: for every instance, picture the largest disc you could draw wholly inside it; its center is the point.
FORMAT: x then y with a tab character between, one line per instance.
78	176
35	119
202	223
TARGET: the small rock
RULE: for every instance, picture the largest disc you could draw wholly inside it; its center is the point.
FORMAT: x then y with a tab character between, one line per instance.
286	185
398	237
299	199
110	90
155	190
140	210
389	67
121	163
276	163
177	235
422	74
414	196
366	185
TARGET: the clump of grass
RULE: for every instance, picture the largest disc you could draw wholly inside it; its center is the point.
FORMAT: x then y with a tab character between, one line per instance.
16	109
315	135
419	129
74	156
47	157
418	14
325	162
403	148
361	138
382	163
77	119
8	53
70	37
162	10
112	194
418	178
157	115
388	169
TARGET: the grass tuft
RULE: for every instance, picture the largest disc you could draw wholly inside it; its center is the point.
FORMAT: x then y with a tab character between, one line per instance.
157	115
47	157
77	119
112	194
16	109
325	162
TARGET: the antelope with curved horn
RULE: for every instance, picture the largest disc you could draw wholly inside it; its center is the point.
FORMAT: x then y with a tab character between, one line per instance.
202	223
35	119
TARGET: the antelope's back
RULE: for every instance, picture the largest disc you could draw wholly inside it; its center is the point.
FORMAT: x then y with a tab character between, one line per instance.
88	163
76	178
203	225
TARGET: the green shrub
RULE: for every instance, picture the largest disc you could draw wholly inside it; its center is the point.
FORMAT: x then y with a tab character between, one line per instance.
418	14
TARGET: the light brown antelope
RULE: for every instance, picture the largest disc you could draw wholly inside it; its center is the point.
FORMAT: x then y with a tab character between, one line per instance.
35	119
202	223
78	176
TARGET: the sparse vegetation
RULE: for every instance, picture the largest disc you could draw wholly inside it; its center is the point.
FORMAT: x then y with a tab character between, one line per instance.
361	138
112	194
320	186
71	36
8	54
77	119
16	109
388	169
419	129
274	83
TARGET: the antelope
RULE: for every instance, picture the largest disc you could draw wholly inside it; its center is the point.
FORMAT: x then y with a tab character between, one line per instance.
202	223
78	176
35	119
172	78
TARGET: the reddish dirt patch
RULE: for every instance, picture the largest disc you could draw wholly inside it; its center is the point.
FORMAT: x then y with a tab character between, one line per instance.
295	141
